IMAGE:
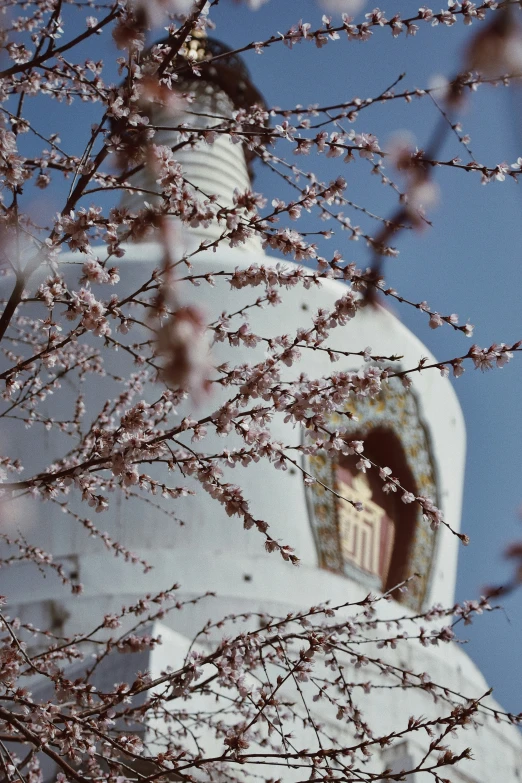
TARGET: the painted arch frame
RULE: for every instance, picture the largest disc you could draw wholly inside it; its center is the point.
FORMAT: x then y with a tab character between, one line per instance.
394	409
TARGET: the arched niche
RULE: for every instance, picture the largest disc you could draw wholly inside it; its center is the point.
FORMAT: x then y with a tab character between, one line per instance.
389	540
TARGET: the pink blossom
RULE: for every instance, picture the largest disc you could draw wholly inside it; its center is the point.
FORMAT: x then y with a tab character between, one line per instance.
182	344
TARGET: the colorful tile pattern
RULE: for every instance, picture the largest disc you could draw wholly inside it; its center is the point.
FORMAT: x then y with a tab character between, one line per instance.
395	409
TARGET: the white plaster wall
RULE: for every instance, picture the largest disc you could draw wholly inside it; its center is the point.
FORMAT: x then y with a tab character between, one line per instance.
496	745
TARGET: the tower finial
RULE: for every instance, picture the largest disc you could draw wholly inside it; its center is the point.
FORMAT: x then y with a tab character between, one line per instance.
194	49
217	85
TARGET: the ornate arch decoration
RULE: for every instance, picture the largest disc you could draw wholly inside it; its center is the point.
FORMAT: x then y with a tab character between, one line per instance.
399	542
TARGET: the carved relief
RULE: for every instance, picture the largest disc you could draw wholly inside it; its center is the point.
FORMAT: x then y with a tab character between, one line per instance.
366	537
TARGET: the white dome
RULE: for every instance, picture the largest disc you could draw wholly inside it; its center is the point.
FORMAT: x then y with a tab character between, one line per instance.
232	555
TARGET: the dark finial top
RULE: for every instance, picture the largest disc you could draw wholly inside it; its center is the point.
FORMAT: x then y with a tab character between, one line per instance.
209	60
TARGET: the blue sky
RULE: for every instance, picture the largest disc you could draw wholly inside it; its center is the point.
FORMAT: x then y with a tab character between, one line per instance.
468	263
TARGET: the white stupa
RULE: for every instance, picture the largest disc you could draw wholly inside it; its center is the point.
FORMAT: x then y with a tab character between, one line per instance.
419	433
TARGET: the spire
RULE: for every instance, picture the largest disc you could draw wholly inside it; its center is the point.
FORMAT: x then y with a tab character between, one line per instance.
215	166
